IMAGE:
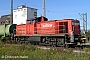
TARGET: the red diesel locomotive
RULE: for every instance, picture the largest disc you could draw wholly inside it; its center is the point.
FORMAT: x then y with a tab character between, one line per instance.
49	32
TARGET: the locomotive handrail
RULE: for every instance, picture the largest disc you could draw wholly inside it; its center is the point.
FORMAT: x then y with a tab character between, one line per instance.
52	30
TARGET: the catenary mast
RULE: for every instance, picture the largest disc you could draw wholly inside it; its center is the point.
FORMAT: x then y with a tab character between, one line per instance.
11	8
44	8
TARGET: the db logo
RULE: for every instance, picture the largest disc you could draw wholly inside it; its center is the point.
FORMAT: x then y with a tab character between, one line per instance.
46	25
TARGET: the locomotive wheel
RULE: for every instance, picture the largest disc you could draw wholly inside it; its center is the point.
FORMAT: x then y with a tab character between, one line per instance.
60	42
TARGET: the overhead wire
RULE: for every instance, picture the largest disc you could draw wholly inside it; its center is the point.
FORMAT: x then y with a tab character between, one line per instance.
51	12
32	4
28	1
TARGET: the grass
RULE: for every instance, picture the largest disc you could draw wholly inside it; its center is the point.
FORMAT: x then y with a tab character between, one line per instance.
88	34
31	52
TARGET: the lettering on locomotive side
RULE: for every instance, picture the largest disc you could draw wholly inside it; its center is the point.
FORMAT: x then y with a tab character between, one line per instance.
46	25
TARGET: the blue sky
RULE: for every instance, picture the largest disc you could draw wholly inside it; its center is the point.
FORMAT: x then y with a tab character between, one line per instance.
55	9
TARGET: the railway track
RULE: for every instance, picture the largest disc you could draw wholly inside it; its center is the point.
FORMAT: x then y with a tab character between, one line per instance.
77	49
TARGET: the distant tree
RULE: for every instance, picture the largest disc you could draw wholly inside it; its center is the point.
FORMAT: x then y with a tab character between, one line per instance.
88	31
